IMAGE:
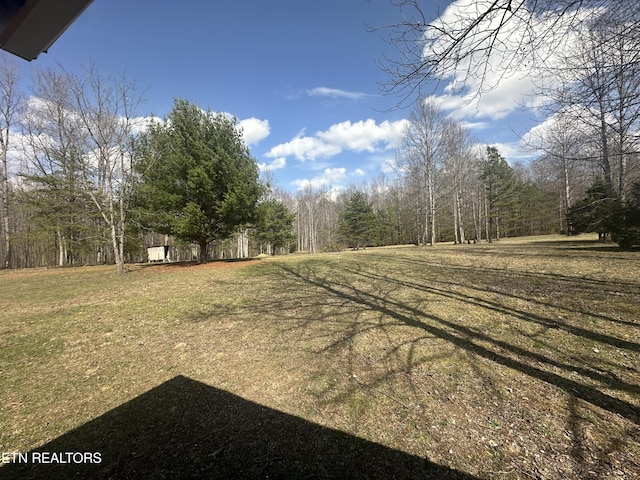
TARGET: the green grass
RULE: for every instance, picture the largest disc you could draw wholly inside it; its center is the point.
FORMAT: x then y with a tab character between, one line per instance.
519	359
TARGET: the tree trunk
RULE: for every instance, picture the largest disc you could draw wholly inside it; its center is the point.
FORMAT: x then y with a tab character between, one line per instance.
6	236
456	231
622	162
4	202
203	254
476	220
487	220
432	208
458	213
622	134
62	249
10	101
122	217
567	191
606	164
120	261
118	258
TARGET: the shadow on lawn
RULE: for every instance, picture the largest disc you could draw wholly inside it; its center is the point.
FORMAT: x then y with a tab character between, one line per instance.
342	294
449	277
501	351
586	245
196	263
186	429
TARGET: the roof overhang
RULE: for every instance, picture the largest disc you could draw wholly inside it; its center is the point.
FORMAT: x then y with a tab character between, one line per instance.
30	27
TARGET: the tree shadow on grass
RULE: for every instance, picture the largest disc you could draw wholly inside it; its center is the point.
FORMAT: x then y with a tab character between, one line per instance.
500	307
186	429
482	344
196	263
491	277
585	245
332	305
381	290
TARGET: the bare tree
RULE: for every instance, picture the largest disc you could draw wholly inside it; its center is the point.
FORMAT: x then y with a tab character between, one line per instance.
482	42
421	153
83	130
566	160
307	219
624	97
106	107
459	167
51	168
599	92
10	106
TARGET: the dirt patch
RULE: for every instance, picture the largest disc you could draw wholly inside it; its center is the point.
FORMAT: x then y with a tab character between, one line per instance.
195	266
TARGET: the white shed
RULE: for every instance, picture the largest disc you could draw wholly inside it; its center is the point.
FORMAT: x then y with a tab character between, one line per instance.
158	254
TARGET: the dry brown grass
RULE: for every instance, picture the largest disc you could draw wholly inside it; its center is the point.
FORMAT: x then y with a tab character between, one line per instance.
519	359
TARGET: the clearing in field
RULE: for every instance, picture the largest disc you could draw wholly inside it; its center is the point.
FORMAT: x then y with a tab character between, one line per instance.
513	360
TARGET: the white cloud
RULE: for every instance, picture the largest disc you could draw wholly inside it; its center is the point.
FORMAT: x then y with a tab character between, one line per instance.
389	165
363	135
279	162
568	128
329	177
359	172
360	136
141	124
335	93
304	148
476	125
254	130
18	152
510	95
513	150
500	82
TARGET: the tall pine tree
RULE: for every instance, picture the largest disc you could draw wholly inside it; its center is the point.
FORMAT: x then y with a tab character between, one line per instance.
273	225
198	180
499	184
358	221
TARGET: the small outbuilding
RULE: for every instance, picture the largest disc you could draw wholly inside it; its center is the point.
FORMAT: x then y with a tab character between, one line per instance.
158	254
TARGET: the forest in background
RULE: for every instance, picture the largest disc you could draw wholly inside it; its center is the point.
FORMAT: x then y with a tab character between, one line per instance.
72	146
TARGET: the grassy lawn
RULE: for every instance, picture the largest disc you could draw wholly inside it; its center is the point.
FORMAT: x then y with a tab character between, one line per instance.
519	359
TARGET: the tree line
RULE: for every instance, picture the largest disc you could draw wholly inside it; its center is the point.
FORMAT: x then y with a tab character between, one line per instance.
84	181
586	57
475	196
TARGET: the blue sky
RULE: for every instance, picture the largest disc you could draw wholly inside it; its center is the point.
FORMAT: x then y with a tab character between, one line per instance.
301	77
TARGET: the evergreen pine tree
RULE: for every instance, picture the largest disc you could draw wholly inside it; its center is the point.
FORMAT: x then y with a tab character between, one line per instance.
358	221
595	212
500	186
273	225
198	179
